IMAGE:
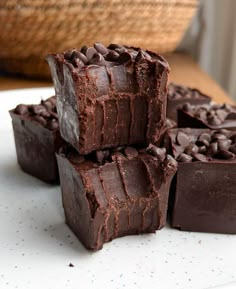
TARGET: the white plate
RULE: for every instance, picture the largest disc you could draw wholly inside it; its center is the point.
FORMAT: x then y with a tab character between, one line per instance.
36	247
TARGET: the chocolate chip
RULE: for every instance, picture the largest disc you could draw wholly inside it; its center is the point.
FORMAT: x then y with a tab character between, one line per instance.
160	153
203	142
204	136
68	54
130	152
52	124
214	120
112	55
40	120
227	107
115	46
78	63
200	157
224	144
21	109
121	50
221	113
231	115
82	57
212	149
187	107
97	59
124	58
48	105
45	114
102	156
182	139
191	149
224	154
38	108
90	52
101	48
232	149
218	136
184	158
233	138
202	149
84	49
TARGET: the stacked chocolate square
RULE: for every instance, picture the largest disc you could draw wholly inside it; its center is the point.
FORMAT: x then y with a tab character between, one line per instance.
107	126
111	109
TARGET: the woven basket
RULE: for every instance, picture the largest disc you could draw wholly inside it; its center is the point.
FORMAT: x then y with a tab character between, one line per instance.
30	29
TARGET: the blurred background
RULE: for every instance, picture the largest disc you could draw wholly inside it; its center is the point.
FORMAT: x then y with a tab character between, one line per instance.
205	29
211	40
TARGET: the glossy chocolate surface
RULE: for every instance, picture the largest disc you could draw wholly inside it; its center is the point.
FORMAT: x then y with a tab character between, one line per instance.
37	138
111	96
179	94
114	193
203	192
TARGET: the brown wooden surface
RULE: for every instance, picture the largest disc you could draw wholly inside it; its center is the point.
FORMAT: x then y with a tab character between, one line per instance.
184	70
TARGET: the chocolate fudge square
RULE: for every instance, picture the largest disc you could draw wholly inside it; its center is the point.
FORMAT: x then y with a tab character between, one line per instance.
110	194
205	184
107	97
179	94
37	138
214	116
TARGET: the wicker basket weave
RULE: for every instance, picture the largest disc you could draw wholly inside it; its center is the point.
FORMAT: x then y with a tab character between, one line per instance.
30	29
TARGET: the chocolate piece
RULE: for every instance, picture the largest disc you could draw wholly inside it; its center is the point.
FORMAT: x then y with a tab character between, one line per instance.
203	193
207	116
37	138
116	98
118	197
178	95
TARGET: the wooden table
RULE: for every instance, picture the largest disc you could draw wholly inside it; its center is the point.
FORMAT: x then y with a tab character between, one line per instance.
184	70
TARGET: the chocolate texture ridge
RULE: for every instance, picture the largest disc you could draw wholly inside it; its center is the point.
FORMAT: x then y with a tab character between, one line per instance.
214	116
109	96
37	138
203	196
113	193
178	94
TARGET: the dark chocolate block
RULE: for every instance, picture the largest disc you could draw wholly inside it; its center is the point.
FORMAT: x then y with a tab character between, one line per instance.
109	194
179	94
37	138
215	116
107	97
205	184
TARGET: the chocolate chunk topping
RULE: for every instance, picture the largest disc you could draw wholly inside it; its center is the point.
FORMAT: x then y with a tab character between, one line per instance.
97	59
112	55
37	109
21	109
182	139
200	157
84	49
184	158
124	58
204	136
187	107
191	149
212	149
101	48
160	153
90	52
82	57
224	144
232	148
224	154
130	152
52	124
40	120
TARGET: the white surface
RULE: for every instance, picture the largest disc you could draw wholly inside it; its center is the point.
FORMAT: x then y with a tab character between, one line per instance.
36	246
